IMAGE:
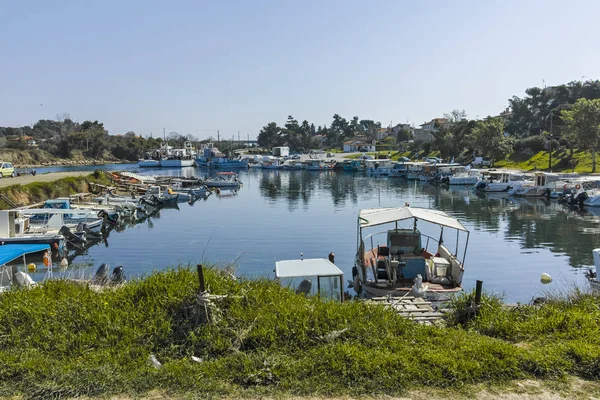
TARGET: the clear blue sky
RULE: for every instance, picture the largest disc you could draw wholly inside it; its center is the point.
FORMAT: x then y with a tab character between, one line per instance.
195	67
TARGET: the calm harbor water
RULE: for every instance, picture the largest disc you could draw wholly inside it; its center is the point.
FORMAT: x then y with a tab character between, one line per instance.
280	214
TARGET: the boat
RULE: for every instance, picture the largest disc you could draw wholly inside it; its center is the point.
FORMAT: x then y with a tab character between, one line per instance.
465	177
399	170
148	163
292	165
178	158
354	165
592	274
11	253
501	181
156	196
300	274
273	163
317	165
223	180
407	260
543	184
415	170
14	229
378	167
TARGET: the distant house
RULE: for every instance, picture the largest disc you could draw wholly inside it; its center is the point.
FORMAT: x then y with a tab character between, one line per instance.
383	133
354	145
30	140
434	124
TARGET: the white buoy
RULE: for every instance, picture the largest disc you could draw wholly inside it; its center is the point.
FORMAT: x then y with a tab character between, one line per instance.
545	278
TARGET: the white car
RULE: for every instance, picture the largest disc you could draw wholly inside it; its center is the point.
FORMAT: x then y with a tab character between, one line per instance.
433	160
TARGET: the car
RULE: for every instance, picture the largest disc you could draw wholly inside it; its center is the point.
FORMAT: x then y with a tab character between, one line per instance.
296	157
7	169
433	160
403	159
329	155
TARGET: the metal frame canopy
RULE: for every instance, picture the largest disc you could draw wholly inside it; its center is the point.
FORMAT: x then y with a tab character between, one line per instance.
379	216
9	252
306	267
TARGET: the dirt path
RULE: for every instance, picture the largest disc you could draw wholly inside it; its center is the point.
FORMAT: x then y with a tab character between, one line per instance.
49	177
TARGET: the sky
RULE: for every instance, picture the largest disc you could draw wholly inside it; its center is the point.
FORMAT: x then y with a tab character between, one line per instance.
195	67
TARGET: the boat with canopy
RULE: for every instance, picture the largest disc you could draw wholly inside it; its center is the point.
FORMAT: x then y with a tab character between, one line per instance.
401	259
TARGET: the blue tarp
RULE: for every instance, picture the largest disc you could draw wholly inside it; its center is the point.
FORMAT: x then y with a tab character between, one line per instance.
9	252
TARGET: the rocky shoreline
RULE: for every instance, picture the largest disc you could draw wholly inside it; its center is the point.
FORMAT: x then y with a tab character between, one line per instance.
71	163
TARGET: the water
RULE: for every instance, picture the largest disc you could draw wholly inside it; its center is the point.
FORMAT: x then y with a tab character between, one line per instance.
280	214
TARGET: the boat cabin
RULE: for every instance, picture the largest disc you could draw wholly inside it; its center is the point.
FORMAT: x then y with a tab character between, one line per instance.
544	178
312	277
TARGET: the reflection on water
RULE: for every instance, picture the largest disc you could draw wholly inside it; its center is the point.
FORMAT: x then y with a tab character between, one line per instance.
279	214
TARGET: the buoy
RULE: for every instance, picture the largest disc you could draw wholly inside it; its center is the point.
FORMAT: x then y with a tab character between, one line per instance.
46	259
31	267
64	263
545	278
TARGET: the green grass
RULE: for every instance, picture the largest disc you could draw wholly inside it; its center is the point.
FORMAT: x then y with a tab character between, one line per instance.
582	161
64	340
397	154
40	191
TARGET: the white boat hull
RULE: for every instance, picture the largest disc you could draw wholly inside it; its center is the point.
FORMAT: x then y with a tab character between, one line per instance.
467	180
166	163
148	163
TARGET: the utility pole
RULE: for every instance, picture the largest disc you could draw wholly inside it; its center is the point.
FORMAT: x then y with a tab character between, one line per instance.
164	135
550	137
218	140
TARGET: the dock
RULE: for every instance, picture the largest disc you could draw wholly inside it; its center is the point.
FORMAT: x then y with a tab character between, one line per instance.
414	308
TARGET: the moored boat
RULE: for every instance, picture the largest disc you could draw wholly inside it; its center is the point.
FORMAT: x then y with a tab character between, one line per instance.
223	180
408	260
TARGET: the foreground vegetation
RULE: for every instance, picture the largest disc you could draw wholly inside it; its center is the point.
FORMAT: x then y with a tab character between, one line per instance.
65	339
40	191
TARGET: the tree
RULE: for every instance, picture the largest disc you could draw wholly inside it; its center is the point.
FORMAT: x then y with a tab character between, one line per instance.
270	135
487	138
291	133
583	125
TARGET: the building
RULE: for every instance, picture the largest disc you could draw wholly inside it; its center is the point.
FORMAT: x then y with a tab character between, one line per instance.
434	124
30	140
382	133
354	145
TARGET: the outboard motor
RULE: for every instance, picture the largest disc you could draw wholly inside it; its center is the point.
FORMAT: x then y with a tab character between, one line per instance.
481	186
101	277
580	199
71	237
118	276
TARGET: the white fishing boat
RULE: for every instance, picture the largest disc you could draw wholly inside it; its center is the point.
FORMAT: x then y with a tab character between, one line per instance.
465	177
407	260
223	180
317	165
178	158
415	170
379	167
544	183
399	170
272	163
292	165
14	229
148	163
300	275
501	181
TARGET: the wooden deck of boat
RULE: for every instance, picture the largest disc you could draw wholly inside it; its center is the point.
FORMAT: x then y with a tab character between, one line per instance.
413	308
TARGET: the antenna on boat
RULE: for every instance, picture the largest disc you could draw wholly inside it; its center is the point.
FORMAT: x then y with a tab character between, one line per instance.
302	256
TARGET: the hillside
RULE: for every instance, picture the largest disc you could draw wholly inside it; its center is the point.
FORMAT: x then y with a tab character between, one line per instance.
37	158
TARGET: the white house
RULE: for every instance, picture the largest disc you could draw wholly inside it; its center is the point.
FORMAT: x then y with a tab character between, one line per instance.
432	126
354	145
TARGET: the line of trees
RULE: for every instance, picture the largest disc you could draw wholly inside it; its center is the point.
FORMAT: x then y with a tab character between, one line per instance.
63	137
304	136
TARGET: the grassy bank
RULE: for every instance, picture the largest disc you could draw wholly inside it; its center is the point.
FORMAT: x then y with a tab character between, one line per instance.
38	158
63	340
40	191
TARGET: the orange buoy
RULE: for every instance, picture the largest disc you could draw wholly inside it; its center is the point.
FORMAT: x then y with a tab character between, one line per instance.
46	259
